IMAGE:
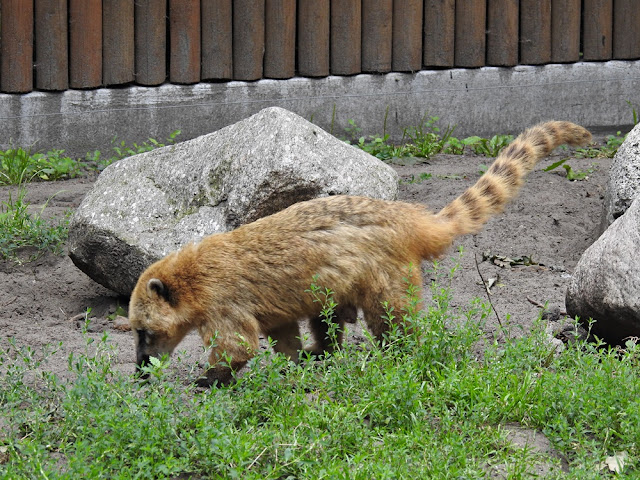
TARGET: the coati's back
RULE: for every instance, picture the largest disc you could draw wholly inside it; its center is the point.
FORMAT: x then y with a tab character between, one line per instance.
332	228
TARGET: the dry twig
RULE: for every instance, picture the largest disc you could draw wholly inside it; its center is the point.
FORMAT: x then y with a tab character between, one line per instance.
486	289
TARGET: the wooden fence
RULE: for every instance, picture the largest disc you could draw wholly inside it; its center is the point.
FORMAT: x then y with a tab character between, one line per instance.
62	44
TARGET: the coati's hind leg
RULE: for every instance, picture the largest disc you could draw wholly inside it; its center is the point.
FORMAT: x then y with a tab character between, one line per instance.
320	329
395	293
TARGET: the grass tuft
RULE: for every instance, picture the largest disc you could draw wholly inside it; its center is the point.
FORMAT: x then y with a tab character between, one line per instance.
25	231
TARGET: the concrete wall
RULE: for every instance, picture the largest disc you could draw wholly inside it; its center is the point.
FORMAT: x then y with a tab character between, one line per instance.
481	101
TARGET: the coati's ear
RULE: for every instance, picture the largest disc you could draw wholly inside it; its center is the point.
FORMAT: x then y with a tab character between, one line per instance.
155	288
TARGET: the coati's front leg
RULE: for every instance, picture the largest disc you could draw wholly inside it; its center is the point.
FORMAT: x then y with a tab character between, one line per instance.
324	342
219	374
231	349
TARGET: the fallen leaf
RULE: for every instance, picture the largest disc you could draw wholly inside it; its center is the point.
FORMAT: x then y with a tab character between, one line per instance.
615	463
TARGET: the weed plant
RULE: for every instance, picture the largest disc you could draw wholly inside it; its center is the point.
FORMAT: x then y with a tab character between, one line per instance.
424	404
22	230
122	150
18	165
424	141
489	147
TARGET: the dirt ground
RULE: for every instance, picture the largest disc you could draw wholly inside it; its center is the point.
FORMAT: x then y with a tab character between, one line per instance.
553	221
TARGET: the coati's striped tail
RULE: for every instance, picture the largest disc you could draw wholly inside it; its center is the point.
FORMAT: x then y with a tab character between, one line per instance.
502	181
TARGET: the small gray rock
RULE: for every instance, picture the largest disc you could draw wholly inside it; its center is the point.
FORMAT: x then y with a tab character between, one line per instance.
624	179
606	282
143	207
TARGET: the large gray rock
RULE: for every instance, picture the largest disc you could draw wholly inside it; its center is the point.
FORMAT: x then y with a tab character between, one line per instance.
606	282
148	205
624	179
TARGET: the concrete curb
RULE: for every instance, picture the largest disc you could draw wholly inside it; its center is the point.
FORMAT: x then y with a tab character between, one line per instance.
482	101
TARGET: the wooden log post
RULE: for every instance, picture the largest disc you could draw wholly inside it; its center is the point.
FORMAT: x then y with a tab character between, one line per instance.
150	42
85	43
184	41
626	29
535	32
565	30
346	37
470	38
313	38
248	39
217	40
377	24
503	26
118	51
280	39
439	33
598	29
406	55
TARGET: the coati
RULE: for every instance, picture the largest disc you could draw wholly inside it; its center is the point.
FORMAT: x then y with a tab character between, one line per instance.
232	286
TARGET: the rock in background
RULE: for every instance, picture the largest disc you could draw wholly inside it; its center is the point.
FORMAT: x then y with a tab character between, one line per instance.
606	281
624	179
143	207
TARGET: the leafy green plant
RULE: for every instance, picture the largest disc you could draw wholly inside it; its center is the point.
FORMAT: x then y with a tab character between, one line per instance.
376	145
20	165
454	146
571	173
634	112
15	163
119	312
21	229
55	166
324	297
122	150
489	147
578	174
425	140
612	142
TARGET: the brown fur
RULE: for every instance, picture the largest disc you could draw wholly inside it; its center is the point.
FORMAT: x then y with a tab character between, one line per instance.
233	286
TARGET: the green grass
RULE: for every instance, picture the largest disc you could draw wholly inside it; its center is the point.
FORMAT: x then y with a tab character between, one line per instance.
424	141
427	139
19	165
423	405
22	230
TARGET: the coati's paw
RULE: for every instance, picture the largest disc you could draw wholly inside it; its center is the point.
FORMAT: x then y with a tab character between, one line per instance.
203	382
317	352
217	376
313	354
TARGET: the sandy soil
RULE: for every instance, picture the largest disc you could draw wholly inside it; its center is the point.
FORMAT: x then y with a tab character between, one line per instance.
552	222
